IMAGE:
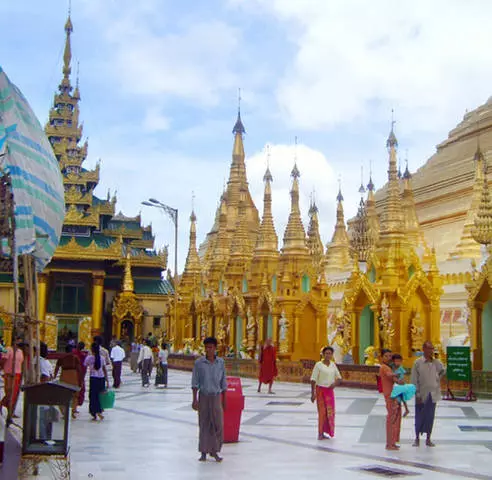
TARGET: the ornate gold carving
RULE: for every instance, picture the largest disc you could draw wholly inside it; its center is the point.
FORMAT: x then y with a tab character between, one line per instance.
85	330
50	336
73	250
6	326
73	195
252	333
386	330
283	335
416	332
87	218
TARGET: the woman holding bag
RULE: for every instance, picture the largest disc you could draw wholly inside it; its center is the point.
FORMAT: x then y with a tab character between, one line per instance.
98	380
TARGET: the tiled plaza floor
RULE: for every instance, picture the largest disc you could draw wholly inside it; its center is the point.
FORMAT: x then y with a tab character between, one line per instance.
152	433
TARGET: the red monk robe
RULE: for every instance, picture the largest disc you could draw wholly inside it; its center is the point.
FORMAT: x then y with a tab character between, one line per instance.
268	364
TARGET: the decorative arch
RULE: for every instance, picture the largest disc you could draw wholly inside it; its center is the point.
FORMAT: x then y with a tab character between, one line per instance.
126	306
359	283
419	280
265	297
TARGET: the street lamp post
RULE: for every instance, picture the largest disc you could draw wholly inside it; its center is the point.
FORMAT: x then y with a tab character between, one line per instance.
173	214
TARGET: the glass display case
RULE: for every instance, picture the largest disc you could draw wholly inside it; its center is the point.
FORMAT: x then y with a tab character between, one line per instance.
47	409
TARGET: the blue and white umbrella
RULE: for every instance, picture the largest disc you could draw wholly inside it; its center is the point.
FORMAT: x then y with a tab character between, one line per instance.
37	183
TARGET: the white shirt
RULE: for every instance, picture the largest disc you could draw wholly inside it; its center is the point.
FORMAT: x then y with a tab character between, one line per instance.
145	353
163	354
117	354
45	367
325	376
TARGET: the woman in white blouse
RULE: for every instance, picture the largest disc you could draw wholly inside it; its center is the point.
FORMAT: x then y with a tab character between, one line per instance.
324	379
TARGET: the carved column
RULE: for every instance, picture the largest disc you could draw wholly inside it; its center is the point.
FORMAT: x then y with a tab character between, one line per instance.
97	303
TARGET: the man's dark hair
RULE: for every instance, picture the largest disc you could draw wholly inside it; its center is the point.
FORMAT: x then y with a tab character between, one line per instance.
98	339
210	341
326	349
43	349
396	356
384	351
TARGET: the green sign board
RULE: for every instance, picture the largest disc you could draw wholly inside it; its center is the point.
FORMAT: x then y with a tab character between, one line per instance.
459	363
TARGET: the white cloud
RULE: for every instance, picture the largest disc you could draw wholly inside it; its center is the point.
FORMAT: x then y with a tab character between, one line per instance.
163	58
317	175
354	61
155	121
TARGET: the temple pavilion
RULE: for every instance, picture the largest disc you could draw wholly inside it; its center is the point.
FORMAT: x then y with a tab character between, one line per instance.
105	276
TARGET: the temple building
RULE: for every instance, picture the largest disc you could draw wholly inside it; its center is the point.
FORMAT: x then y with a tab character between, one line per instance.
242	287
105	276
389	297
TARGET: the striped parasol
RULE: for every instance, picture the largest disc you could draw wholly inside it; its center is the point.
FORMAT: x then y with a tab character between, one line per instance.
37	184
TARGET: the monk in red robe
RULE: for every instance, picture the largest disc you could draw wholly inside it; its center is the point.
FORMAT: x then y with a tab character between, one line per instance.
268	365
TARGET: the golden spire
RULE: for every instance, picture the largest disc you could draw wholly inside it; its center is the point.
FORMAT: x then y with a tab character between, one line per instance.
372	215
221	247
192	266
392	217
413	233
468	246
314	243
338	250
482	229
127	277
238	131
295	235
67	54
267	243
360	241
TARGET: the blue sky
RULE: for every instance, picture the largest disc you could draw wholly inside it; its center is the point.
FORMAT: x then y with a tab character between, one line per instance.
159	82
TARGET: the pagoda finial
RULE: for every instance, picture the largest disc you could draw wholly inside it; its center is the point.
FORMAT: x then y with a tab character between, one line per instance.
339	196
239	127
127	277
267	242
295	235
314	243
362	190
295	174
67	54
392	216
370	185
392	141
406	174
268	175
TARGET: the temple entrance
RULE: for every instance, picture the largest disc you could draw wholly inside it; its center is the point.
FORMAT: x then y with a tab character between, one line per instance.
127	333
366	331
307	332
487	336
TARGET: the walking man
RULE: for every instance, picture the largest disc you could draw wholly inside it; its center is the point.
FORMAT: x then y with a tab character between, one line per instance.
145	361
426	376
209	387
117	357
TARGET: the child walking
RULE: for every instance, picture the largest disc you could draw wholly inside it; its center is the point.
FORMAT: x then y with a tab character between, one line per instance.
402	391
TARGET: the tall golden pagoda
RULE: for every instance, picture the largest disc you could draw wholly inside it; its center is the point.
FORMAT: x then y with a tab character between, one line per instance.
390	296
248	290
84	290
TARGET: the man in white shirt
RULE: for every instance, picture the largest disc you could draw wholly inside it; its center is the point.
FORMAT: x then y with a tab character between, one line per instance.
145	361
117	357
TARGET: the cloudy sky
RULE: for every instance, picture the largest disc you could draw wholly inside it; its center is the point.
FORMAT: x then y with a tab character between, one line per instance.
159	82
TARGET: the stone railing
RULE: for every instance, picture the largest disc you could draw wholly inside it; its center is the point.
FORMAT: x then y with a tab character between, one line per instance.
354	376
